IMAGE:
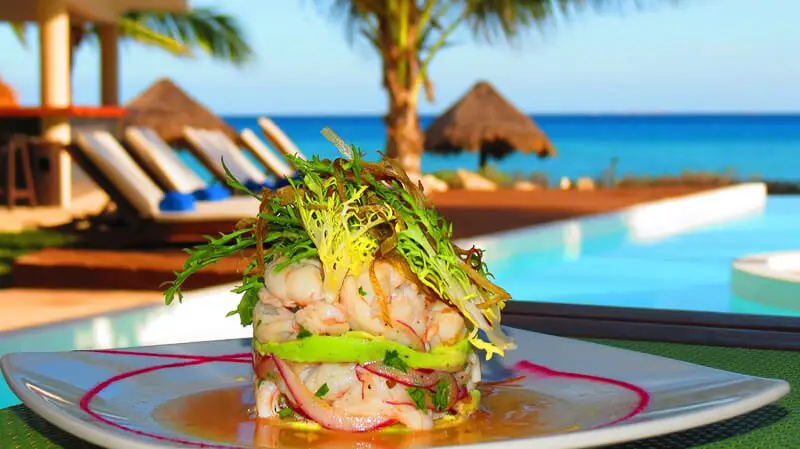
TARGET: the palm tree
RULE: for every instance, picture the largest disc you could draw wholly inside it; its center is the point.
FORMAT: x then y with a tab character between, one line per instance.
407	34
212	32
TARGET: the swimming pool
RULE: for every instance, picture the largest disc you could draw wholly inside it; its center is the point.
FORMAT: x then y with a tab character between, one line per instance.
603	260
200	317
687	271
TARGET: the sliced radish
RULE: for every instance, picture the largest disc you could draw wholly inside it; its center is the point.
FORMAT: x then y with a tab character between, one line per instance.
412	378
320	411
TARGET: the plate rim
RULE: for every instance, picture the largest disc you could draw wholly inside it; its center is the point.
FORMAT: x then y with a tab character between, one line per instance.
771	390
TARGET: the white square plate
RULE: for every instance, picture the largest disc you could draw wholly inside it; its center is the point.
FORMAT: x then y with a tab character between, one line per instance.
601	395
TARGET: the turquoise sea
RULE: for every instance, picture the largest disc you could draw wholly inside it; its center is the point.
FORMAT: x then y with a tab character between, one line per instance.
765	146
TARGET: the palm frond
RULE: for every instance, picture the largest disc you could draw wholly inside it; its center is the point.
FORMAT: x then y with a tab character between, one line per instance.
489	19
357	14
213	33
137	31
20	30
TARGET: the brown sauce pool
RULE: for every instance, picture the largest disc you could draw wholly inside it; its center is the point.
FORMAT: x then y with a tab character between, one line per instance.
506	412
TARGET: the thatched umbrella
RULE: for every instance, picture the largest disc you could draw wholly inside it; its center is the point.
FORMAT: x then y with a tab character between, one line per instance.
482	120
166	108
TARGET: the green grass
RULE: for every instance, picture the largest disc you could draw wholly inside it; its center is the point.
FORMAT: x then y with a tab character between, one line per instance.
13	245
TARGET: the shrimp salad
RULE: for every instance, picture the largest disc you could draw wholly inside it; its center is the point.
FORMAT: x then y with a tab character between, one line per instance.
365	315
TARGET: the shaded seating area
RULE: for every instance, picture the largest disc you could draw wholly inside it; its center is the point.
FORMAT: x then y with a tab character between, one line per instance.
144	213
104	156
484	121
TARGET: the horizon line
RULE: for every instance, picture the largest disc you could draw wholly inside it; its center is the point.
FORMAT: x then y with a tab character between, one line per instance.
537	114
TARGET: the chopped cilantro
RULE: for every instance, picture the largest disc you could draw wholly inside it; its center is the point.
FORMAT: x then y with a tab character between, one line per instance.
418	396
323	390
361	291
285	412
392	359
303	333
441	395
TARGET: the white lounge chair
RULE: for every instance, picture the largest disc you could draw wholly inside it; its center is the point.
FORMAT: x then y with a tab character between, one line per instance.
278	139
162	161
128	185
214	148
265	155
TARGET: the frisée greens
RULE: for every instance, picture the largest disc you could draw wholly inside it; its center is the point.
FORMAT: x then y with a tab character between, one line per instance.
347	212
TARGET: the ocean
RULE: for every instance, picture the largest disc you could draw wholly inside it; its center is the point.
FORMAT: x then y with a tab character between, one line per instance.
749	146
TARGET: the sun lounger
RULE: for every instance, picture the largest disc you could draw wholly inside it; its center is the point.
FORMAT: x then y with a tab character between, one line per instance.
214	147
265	155
209	149
278	139
103	157
166	168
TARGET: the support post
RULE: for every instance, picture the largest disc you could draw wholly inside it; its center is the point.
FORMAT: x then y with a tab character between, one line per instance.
109	64
55	53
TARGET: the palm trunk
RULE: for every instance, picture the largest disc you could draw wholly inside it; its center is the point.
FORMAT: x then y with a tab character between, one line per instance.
401	81
403	134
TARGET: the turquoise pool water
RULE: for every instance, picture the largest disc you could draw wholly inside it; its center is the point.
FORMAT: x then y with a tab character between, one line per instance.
687	271
590	261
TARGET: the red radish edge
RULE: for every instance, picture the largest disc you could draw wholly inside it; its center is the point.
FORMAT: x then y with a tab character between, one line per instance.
322	413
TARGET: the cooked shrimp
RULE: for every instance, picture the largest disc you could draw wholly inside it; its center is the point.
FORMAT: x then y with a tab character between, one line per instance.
446	326
339	378
299	284
273	324
322	318
396	311
374	396
267	398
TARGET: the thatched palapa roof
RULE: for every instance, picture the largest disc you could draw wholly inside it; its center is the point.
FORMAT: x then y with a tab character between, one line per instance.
167	109
482	120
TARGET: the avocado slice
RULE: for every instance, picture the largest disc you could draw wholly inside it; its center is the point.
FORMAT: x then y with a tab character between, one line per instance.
360	347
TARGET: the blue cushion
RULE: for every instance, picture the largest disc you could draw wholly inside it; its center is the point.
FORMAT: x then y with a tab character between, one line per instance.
282	182
176	202
256	187
213	192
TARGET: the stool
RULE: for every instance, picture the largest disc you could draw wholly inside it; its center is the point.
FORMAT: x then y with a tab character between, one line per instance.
17	150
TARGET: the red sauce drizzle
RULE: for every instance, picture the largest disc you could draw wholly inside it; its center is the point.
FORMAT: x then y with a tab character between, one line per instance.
530	369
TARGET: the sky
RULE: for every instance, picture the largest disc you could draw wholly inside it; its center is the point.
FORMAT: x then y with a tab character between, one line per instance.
699	56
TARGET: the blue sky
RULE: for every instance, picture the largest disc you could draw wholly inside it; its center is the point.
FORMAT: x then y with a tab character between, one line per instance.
702	56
